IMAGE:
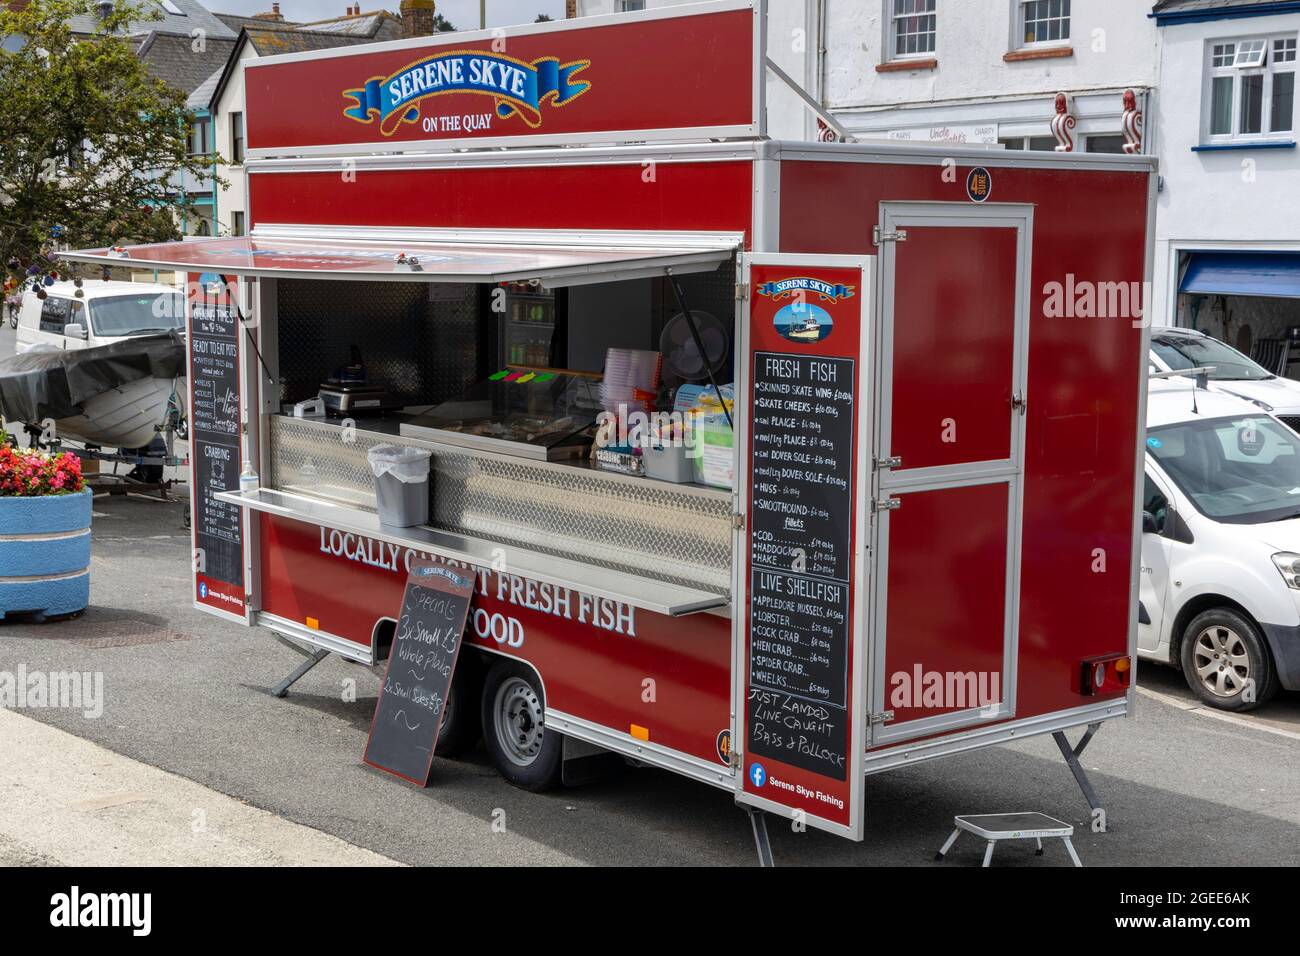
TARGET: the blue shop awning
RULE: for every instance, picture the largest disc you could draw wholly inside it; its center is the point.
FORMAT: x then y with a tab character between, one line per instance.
1274	274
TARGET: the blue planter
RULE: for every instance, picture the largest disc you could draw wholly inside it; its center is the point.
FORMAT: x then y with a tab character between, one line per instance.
45	554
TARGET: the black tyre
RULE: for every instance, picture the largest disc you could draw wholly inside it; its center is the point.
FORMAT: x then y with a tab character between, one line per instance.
461	728
514	732
1222	654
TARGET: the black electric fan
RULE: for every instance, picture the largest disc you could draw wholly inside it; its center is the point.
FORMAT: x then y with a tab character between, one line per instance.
683	359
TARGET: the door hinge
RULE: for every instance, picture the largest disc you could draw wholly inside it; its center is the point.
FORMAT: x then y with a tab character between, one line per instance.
738	522
883	717
1019	403
886	504
742	291
894	235
883	463
733	759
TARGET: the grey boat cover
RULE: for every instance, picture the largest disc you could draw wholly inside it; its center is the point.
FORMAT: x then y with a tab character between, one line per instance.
53	383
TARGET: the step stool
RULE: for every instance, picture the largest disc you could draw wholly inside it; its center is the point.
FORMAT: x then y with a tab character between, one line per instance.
993	827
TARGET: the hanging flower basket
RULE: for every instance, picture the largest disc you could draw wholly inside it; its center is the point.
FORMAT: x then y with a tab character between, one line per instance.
44	534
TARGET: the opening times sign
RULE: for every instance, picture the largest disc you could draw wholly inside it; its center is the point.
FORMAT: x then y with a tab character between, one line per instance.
805	341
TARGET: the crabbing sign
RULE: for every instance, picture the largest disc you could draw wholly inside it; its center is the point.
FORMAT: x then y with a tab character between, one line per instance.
519	88
660	74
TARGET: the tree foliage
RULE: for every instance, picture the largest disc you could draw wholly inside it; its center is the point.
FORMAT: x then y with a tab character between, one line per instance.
91	145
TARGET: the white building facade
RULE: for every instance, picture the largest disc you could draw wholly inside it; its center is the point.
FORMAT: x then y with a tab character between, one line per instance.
987	71
1228	220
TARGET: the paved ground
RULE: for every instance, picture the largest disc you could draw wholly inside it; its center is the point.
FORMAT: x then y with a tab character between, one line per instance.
77	804
186	693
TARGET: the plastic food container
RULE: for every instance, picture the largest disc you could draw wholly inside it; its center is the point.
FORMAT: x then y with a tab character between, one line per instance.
669	463
401	484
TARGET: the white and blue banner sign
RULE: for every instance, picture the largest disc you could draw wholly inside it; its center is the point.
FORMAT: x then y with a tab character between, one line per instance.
791	287
520	88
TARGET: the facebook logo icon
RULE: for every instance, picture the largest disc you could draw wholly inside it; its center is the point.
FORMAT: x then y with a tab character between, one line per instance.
203	589
757	774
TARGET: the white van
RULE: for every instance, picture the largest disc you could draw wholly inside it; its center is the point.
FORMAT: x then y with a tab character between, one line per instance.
105	312
1220	580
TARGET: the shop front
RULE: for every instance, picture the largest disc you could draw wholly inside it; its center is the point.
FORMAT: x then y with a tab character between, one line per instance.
1249	298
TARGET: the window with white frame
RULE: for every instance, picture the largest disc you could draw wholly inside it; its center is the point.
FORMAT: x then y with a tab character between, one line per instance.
1251	89
630	6
1043	21
911	28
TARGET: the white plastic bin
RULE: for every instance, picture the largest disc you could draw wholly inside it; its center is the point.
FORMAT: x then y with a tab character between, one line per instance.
401	484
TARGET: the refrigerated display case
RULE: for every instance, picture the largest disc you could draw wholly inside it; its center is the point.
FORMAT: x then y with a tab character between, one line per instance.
528	328
541	414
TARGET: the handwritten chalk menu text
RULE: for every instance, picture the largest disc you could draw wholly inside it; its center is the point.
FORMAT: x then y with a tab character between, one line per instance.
801	505
802	463
215	433
413	698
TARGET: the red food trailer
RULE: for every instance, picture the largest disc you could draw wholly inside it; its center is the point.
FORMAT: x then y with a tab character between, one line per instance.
912	527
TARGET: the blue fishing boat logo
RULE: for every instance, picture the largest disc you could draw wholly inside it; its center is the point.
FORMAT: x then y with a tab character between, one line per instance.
803	322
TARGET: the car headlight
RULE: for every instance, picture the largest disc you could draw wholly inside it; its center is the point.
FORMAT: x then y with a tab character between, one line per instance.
1288	563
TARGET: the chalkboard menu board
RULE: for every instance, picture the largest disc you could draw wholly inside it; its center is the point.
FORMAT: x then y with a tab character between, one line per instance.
413	697
801	502
214	435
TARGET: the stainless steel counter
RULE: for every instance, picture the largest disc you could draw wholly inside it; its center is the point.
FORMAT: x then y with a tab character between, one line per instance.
673	534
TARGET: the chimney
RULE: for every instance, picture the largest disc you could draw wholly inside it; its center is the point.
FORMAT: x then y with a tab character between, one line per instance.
274	16
570	9
417	18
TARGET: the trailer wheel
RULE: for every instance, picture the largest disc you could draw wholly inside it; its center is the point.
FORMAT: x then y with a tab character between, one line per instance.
514	728
460	722
1221	651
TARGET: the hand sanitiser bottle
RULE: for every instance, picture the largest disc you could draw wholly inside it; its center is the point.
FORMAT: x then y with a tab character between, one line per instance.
247	479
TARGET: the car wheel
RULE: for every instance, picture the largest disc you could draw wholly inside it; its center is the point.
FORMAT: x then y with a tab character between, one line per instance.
514	728
1223	653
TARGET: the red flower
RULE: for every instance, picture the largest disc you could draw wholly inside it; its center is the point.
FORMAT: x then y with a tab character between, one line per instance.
31	473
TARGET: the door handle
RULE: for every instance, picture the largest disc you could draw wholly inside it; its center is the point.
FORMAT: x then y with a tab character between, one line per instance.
1019	402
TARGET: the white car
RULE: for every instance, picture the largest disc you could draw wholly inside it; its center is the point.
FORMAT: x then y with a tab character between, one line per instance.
1234	373
104	312
1220	578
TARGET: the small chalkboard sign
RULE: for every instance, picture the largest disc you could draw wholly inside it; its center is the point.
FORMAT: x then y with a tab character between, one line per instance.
413	697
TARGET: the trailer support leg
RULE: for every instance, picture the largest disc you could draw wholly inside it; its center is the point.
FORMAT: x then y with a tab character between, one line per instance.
758	820
313	658
1071	755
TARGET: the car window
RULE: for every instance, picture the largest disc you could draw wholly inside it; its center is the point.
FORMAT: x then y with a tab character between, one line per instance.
1234	470
1155	502
57	313
1196	351
1251	444
138	314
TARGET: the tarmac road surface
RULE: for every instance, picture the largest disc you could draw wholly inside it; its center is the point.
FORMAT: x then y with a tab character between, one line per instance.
187	694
